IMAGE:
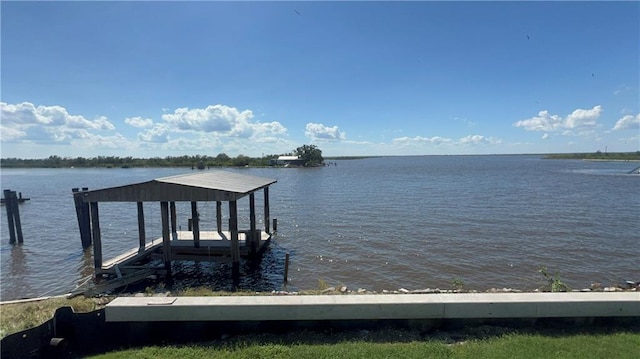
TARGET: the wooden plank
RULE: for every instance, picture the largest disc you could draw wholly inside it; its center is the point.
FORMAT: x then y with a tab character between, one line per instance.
131	256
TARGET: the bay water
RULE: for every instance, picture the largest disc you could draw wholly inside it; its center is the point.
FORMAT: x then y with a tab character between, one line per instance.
378	223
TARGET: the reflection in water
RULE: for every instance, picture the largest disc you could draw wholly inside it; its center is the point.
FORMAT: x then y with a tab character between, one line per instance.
18	270
85	267
18	260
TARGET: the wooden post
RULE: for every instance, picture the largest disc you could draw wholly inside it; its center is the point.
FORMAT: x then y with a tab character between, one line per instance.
174	221
16	216
9	208
97	239
166	239
267	218
286	267
275	225
141	231
253	239
235	246
219	216
195	217
84	218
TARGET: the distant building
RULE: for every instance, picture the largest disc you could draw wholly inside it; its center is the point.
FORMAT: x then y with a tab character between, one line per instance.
287	161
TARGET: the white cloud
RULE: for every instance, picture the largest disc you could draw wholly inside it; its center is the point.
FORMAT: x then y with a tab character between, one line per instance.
621	89
479	140
9	133
25	121
220	120
318	131
545	136
583	118
139	122
421	140
627	122
578	119
156	134
437	140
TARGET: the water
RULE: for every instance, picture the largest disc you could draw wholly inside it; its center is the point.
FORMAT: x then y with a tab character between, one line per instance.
378	223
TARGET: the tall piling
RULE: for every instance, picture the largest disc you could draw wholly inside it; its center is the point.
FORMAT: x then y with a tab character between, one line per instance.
84	217
13	216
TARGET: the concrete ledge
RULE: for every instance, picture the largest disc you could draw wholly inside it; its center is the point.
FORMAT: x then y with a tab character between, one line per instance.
374	307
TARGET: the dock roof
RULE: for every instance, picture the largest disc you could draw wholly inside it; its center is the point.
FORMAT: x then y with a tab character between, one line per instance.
201	186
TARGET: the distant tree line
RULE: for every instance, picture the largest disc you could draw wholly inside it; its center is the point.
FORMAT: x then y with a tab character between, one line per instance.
310	154
598	155
197	161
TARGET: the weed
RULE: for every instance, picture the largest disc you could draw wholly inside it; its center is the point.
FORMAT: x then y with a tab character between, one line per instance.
554	282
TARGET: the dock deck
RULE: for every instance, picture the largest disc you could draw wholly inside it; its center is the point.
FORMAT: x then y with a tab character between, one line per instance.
213	246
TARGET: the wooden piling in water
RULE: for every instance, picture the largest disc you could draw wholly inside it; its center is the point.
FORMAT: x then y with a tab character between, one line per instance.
166	239
141	230
13	216
253	238
97	239
195	220
84	218
219	216
174	220
235	245
267	217
286	267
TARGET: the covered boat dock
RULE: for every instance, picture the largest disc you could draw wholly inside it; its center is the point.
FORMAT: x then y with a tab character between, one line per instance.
226	245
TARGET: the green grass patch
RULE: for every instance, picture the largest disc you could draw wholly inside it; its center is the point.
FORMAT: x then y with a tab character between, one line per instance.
617	345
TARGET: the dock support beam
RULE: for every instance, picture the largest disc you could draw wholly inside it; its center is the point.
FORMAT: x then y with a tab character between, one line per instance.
141	230
253	238
195	217
235	246
97	239
267	218
219	216
174	220
166	239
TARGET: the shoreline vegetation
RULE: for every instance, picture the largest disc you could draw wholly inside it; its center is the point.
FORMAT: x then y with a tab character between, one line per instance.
223	160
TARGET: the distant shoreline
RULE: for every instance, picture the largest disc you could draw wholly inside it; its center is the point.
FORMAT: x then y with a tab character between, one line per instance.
597	156
202	162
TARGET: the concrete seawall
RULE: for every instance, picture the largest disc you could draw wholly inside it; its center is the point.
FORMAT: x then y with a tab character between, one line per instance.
139	321
374	307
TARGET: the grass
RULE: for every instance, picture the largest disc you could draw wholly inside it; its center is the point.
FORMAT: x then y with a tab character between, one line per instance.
617	345
16	317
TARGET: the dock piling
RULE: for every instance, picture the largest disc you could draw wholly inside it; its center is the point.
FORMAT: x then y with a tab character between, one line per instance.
286	267
13	216
84	218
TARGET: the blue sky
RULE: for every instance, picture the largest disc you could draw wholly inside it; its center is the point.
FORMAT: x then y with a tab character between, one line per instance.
354	78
